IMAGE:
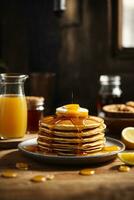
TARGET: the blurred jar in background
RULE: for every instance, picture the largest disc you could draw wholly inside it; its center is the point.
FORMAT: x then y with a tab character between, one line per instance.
110	92
35	107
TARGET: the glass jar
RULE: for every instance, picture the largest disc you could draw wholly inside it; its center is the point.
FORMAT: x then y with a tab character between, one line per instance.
110	92
13	107
35	112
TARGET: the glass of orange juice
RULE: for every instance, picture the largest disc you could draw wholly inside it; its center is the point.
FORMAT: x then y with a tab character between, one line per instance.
13	106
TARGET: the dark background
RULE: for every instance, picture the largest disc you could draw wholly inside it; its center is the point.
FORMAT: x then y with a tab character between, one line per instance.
40	42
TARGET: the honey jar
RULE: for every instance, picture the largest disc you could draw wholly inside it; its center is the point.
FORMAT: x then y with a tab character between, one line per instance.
35	107
110	92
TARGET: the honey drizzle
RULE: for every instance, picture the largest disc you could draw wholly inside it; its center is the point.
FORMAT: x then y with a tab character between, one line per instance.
72	97
77	123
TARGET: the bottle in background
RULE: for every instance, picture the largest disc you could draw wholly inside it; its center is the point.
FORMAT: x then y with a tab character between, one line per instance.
110	92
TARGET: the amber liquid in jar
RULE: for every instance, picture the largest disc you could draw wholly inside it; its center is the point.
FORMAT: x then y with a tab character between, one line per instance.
35	113
34	117
110	92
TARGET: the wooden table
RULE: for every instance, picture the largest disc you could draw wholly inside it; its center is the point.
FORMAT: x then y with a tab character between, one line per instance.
107	183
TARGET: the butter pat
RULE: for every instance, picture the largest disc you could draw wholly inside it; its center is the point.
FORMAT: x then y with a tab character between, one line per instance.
72	110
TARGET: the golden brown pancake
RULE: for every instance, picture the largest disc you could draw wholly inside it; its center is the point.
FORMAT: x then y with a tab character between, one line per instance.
62	123
66	152
71	133
71	140
70	146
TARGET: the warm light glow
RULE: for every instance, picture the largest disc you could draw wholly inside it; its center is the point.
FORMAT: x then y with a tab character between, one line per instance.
127	23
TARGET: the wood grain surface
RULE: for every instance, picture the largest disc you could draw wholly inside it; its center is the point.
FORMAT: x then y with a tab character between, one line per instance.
107	183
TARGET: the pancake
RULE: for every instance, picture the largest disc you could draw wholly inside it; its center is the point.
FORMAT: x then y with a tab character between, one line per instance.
70	150
71	140
62	123
71	133
70	153
65	152
70	146
79	153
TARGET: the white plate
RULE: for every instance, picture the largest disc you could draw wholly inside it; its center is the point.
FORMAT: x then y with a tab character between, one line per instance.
56	159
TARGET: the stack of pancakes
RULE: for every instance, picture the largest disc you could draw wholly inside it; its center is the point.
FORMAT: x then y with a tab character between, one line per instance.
71	133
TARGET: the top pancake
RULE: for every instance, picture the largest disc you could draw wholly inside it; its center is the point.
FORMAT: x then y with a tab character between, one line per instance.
69	124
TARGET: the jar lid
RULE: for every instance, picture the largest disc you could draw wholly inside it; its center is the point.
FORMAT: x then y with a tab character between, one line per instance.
110	79
33	101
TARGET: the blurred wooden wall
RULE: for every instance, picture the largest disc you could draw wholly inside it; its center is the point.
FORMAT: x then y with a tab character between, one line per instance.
76	45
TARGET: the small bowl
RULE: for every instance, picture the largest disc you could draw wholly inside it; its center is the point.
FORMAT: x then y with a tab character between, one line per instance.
116	121
116	125
110	111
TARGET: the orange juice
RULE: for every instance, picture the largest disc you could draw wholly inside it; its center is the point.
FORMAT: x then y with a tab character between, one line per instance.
13	116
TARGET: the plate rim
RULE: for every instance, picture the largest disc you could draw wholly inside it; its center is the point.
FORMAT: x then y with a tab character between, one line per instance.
34	140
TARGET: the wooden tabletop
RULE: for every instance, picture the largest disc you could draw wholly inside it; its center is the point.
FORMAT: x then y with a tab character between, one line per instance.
107	183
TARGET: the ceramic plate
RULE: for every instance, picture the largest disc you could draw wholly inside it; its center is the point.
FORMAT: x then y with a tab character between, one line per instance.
55	159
